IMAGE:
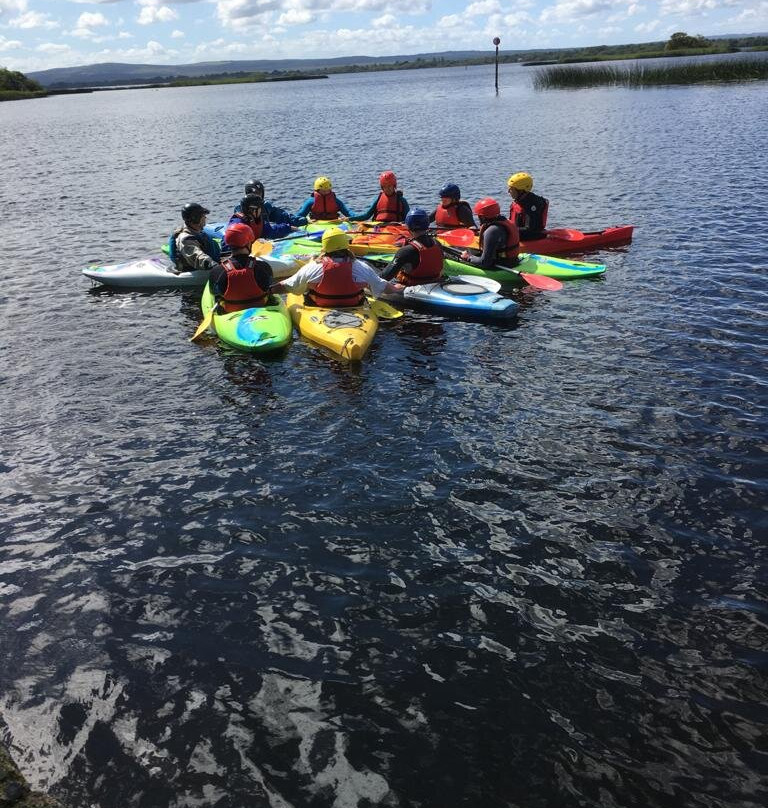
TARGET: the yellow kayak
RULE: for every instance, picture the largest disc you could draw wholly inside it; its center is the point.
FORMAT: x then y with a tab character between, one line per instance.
347	332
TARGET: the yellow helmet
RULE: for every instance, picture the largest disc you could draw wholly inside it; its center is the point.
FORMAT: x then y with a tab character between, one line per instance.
335	240
520	181
323	184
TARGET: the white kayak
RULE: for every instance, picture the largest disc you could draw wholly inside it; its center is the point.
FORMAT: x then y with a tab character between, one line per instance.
157	272
462	296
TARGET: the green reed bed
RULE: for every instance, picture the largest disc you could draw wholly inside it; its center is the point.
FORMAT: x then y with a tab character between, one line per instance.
563	78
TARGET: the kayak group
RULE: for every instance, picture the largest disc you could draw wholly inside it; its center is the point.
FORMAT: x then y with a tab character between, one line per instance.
342	266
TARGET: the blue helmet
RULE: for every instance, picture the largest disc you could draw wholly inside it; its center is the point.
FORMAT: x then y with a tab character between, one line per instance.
450	190
417	219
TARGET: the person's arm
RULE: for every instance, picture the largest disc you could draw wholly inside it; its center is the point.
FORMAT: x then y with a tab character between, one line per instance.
405	259
262	273
493	239
194	257
362	217
306	207
406	206
362	273
466	217
299	282
343	209
218	281
272	230
433	216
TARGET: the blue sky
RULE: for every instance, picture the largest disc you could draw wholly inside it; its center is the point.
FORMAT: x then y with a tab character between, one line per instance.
38	34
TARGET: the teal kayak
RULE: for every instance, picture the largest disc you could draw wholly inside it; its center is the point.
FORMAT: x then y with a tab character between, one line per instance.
259	329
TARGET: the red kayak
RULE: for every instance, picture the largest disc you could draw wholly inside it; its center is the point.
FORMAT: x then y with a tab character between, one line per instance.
556	242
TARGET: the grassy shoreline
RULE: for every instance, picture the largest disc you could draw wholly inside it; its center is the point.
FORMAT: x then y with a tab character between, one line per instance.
721	71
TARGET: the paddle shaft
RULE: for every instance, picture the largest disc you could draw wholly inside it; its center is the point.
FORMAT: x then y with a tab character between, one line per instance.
537	281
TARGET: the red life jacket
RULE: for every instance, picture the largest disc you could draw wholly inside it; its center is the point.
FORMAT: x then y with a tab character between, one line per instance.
390	208
242	291
448	217
325	207
256	227
337	287
520	213
429	268
507	254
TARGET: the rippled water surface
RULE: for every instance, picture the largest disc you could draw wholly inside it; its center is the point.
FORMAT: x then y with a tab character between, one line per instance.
519	567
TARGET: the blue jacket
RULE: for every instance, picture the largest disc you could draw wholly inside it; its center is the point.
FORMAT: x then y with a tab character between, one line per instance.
269	229
277	215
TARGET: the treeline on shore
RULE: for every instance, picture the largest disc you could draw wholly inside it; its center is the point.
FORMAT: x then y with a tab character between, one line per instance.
562	77
15	85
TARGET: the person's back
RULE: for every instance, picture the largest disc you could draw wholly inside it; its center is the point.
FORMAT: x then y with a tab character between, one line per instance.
420	260
242	281
527	210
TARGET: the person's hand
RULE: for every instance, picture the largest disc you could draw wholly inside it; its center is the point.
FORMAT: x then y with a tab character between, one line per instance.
396	287
465	256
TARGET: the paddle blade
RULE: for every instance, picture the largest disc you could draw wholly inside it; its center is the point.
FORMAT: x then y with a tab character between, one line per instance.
383	310
261	248
541	281
461	237
567	234
203	327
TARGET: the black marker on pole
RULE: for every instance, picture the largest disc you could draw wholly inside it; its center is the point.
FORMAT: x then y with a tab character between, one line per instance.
497	42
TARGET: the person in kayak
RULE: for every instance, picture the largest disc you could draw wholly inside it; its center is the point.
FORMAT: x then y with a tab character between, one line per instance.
252	214
499	237
452	211
389	206
242	281
420	259
270	212
189	248
323	205
335	279
527	210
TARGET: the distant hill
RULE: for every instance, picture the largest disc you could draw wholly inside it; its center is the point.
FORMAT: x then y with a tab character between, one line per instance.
117	72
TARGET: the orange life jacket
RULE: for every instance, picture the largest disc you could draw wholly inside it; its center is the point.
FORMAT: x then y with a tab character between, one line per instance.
448	217
242	292
429	268
390	208
325	207
337	287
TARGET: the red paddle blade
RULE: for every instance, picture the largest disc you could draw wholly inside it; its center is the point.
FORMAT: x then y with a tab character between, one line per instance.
458	238
567	234
541	281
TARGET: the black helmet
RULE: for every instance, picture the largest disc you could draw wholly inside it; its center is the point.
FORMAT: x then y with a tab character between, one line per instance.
251	201
193	212
450	191
255	187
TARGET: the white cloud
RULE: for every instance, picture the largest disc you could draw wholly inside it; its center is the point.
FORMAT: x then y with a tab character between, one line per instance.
687	6
54	48
647	27
177	34
12	6
385	21
91	20
33	19
756	16
8	44
295	16
574	10
152	12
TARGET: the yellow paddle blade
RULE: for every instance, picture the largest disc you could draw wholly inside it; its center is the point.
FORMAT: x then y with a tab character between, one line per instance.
204	325
384	310
261	248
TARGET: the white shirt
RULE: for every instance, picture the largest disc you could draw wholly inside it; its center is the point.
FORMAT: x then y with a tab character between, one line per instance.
311	273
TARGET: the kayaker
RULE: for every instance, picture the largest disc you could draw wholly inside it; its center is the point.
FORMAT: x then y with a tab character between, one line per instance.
242	281
271	212
389	206
528	210
452	211
251	213
499	240
323	205
189	248
335	279
420	259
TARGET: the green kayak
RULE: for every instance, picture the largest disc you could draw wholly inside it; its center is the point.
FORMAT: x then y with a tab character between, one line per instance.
260	329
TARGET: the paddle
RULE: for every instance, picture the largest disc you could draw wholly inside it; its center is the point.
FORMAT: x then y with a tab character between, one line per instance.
383	310
537	281
207	320
566	233
460	237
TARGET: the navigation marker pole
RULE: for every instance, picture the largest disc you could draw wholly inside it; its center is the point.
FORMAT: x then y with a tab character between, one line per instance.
497	42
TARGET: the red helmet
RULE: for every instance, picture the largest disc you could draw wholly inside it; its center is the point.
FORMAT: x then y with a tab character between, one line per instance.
487	208
239	235
387	178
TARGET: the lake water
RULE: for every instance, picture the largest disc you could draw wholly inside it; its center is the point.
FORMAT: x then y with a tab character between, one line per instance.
488	566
